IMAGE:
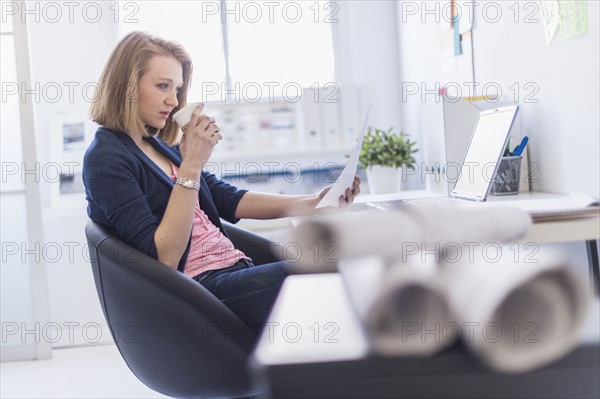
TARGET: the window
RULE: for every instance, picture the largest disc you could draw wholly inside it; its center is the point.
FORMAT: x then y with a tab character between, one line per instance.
182	21
246	51
296	54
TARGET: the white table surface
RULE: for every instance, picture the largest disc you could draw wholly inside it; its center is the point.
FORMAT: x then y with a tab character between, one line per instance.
321	298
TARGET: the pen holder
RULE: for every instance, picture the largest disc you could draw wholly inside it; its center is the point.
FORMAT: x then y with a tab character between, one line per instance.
507	177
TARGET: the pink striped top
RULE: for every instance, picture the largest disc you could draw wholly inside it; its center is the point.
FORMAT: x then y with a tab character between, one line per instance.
210	249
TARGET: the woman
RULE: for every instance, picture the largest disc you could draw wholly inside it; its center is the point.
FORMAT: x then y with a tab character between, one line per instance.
147	185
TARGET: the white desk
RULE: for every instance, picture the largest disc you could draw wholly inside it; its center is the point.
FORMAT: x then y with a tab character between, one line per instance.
567	230
312	321
577	229
302	357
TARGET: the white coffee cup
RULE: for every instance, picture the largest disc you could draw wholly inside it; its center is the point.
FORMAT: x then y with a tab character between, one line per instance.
183	116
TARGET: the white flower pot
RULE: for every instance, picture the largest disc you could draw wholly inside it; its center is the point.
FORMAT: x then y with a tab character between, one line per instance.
384	179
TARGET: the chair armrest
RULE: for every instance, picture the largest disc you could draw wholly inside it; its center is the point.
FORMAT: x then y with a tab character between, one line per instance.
260	249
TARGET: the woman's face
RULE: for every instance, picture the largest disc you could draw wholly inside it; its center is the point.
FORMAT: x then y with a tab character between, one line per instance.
158	90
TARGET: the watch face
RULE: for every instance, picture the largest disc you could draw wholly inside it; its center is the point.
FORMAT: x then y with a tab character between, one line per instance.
187	183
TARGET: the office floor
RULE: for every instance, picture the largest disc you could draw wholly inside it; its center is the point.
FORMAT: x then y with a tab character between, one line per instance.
82	372
99	372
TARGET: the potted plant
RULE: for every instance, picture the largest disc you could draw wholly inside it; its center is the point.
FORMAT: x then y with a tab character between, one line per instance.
384	156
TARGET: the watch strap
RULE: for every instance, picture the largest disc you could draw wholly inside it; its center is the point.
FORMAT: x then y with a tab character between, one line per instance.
188	183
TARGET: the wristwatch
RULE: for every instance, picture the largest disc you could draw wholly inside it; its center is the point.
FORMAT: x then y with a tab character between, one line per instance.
187	183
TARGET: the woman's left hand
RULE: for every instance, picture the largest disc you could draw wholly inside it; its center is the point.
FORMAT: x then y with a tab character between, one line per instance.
348	198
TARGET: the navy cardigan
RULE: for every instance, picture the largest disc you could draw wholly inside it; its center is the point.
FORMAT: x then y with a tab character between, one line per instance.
128	192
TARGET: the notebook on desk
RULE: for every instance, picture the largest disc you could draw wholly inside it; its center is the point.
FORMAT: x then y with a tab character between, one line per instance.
574	206
488	141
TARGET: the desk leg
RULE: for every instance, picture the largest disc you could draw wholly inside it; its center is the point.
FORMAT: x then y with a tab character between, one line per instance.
592	253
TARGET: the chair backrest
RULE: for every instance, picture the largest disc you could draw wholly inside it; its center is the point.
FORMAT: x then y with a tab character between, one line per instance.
174	335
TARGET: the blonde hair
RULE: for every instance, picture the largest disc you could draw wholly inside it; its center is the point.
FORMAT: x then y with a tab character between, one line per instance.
116	102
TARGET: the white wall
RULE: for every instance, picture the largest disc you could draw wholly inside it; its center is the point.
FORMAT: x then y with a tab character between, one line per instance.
419	64
368	57
563	125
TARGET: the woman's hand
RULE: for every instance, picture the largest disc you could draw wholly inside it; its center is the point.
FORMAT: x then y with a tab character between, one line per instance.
348	198
255	205
200	135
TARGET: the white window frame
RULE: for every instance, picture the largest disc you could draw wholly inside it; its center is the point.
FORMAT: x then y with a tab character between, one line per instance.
41	348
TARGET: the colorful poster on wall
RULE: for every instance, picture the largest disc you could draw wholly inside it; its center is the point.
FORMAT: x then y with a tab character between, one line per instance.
456	50
573	18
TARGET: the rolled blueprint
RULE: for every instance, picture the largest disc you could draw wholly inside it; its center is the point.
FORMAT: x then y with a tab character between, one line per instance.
394	235
325	240
473	222
422	278
401	307
517	311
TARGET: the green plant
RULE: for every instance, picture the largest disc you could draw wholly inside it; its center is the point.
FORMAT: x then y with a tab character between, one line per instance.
387	149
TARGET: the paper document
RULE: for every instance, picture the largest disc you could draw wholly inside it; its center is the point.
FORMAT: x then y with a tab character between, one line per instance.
346	179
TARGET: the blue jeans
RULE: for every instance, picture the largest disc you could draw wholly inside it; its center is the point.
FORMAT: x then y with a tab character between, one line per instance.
248	290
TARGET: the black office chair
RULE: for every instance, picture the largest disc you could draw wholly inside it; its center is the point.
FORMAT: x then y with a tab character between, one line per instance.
175	336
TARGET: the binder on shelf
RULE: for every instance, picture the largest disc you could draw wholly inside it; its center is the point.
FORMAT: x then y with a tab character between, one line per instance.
349	115
283	125
330	117
311	131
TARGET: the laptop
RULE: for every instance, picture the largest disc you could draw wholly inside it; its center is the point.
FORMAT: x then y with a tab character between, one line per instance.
486	147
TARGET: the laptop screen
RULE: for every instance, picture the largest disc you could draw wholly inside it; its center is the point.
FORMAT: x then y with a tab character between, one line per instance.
485	150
